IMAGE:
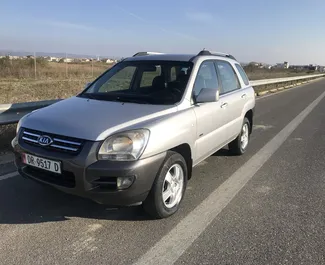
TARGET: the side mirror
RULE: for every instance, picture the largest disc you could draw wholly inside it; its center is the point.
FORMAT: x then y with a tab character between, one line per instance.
207	95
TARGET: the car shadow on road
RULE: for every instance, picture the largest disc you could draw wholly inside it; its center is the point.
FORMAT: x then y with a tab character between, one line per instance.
24	202
223	152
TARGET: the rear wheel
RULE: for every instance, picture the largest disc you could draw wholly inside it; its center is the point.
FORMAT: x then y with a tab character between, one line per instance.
240	144
169	187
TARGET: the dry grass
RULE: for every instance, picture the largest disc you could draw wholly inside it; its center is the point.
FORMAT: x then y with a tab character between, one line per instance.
257	74
19	84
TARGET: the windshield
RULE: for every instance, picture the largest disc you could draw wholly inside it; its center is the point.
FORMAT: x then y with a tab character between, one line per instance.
142	82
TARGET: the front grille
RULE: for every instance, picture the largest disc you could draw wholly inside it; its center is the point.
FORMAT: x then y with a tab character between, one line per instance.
59	143
66	179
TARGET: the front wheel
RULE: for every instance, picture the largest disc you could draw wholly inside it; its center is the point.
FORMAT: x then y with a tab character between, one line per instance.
239	145
169	187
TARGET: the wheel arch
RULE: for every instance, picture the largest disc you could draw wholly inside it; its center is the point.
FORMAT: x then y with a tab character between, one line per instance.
185	151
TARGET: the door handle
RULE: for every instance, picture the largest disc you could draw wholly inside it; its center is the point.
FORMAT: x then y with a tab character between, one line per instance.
223	105
243	96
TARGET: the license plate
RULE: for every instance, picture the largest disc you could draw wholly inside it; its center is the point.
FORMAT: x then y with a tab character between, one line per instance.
42	163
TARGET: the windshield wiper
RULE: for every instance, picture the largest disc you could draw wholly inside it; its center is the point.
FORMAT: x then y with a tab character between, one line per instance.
131	100
140	99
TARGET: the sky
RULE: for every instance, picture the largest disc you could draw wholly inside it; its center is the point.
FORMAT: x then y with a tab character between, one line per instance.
251	30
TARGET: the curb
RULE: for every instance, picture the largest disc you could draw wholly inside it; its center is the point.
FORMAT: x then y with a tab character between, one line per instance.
262	93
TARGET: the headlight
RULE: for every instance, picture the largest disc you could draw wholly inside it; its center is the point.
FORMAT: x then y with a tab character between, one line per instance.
125	146
18	126
21	119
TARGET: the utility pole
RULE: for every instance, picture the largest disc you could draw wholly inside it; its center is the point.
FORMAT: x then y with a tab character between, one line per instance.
35	65
66	65
92	67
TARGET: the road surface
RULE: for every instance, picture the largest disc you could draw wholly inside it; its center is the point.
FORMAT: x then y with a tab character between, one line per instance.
266	207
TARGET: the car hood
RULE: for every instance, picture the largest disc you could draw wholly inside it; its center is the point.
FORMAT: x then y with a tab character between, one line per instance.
91	119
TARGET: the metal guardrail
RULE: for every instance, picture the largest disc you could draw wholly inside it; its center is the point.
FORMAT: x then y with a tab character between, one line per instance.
12	113
281	80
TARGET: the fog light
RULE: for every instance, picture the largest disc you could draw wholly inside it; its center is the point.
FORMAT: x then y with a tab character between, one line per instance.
124	182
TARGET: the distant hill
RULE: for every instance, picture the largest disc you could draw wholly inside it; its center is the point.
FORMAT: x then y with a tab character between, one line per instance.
52	54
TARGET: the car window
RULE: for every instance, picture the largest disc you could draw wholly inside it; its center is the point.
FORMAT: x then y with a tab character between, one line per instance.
228	77
242	74
173	74
206	77
120	81
148	76
141	82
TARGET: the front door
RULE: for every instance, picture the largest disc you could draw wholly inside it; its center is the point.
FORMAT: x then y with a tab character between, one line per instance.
210	135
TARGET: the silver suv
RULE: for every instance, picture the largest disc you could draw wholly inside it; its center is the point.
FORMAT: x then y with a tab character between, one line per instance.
135	133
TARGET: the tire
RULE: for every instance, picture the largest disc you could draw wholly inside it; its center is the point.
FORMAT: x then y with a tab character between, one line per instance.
237	146
155	205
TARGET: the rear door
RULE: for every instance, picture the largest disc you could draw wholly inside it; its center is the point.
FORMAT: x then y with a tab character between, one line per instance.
232	98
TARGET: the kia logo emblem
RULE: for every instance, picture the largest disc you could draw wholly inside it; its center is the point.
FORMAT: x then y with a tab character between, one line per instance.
45	140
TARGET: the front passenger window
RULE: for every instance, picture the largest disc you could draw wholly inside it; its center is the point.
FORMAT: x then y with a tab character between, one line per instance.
229	80
206	77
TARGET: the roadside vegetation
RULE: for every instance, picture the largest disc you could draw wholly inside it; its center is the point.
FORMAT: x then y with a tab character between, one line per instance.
19	83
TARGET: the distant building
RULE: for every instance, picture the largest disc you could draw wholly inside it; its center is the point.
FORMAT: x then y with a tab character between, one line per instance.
11	57
53	59
110	61
284	65
68	60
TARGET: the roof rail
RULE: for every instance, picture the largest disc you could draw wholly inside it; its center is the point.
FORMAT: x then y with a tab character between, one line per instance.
206	52
146	53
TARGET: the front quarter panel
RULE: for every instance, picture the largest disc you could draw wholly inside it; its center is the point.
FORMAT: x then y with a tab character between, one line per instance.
171	131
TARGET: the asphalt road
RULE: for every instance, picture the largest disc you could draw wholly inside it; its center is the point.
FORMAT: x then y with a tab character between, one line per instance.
265	207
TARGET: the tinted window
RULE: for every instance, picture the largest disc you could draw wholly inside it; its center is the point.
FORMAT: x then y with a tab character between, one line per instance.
228	77
142	82
242	74
173	74
148	76
206	77
120	81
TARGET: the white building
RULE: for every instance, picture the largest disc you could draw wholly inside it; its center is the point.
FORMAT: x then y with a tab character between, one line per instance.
110	61
53	59
68	60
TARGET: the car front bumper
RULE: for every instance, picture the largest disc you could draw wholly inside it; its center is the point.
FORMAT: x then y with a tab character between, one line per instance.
83	175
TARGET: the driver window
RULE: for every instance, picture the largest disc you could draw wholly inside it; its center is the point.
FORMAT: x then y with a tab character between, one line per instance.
206	77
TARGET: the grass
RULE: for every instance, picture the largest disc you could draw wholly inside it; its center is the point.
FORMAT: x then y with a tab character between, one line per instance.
54	80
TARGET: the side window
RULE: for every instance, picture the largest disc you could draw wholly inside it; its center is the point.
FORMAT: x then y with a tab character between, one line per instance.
148	76
173	74
120	81
228	77
206	77
242	74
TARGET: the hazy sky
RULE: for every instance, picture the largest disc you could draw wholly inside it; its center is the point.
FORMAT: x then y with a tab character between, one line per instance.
251	30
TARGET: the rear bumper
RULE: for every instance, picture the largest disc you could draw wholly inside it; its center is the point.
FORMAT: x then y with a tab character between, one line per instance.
83	175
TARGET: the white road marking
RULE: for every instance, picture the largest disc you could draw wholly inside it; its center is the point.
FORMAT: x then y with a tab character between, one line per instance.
262	127
9	175
181	237
87	242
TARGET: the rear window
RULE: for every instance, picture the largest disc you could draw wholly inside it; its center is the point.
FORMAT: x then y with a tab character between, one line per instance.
242	74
